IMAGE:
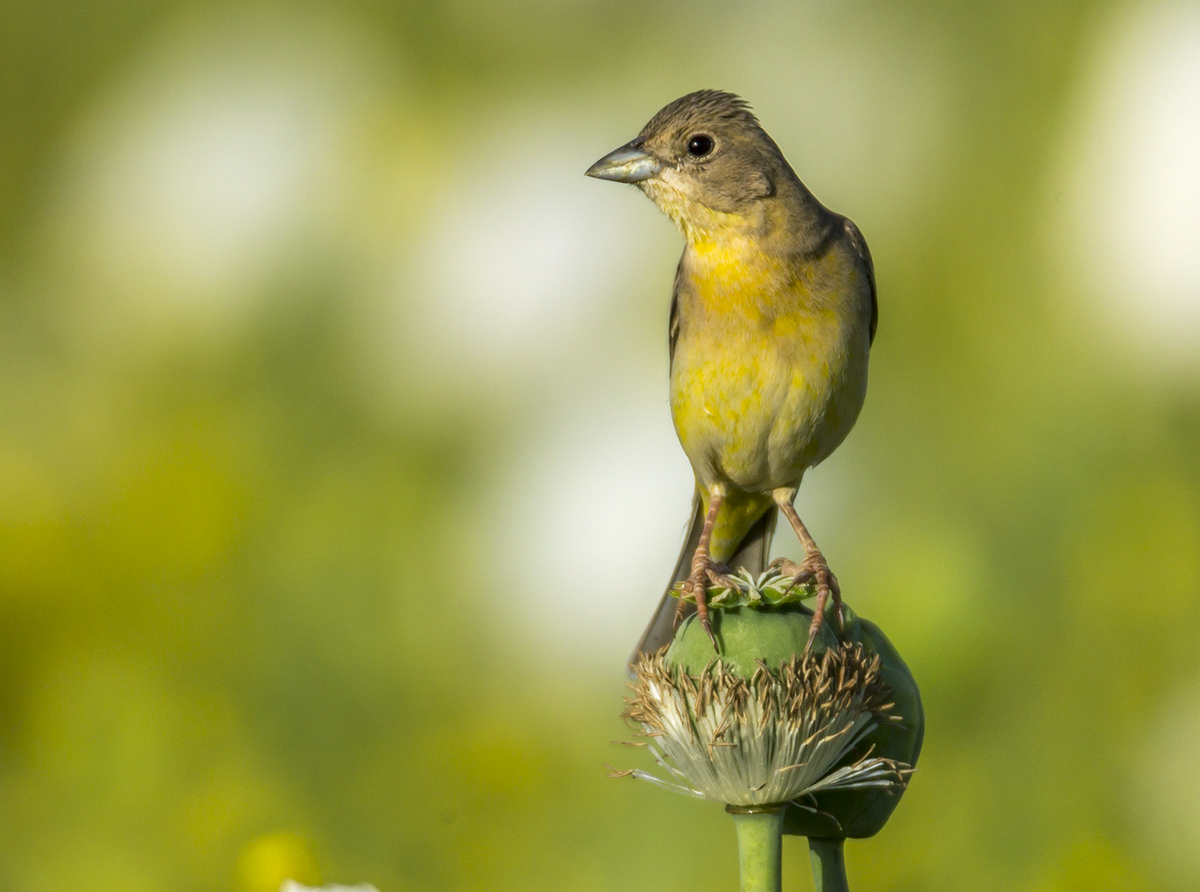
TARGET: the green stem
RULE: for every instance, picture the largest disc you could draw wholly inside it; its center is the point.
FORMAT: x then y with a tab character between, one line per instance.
828	864
760	844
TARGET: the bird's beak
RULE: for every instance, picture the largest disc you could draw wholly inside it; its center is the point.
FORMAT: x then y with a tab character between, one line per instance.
628	164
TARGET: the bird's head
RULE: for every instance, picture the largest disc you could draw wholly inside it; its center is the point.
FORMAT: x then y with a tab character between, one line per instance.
706	162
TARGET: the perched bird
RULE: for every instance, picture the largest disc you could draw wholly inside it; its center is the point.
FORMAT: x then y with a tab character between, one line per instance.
772	319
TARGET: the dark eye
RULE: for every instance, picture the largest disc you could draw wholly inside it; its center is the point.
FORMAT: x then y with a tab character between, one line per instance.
700	145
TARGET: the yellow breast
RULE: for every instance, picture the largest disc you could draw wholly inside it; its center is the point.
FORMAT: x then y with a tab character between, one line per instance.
769	370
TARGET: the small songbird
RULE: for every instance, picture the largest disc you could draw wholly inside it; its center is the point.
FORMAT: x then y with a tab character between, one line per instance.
772	318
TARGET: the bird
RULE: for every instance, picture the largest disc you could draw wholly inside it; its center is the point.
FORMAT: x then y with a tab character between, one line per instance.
772	317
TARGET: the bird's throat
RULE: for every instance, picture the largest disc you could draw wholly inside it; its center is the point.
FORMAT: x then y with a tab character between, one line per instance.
730	274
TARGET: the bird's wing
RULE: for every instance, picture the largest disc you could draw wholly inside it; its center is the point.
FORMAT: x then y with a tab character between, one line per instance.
673	323
661	628
864	254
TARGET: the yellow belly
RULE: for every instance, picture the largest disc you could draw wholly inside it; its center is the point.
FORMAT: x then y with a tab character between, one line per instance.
756	405
769	370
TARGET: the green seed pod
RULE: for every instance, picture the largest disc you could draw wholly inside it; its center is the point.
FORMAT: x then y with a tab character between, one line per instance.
862	813
746	635
774	634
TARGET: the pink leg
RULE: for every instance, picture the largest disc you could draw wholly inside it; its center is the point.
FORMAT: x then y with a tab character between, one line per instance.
813	568
704	570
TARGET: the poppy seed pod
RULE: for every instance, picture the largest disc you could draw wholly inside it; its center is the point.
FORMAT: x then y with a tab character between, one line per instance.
733	727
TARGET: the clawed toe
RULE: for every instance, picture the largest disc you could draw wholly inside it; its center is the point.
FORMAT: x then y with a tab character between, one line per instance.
705	570
718	575
814	569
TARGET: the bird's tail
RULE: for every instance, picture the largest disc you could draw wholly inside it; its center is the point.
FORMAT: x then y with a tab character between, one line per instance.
752	554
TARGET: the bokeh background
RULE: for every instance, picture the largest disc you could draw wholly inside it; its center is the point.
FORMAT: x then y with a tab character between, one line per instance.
337	478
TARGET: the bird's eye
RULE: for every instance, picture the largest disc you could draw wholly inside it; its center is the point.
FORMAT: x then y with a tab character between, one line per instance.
700	145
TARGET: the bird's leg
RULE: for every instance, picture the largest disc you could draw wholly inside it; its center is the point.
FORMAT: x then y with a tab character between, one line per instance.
812	568
705	570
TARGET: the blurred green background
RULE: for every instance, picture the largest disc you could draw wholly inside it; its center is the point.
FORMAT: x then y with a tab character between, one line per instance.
337	478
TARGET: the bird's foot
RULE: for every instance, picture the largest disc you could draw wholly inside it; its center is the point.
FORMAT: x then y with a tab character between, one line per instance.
814	569
704	571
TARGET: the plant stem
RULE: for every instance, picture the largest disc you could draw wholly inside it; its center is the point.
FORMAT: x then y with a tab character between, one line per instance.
760	844
828	864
